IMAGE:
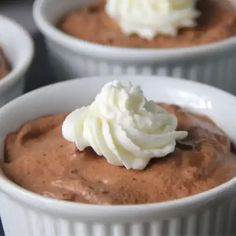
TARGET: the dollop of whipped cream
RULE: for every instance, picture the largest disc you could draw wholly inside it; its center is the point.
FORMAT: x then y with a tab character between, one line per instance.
123	126
148	18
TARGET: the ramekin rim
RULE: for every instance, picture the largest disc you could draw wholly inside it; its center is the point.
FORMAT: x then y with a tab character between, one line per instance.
121	52
18	70
10	188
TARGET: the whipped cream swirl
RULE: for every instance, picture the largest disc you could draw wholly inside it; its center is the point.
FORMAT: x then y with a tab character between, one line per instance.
148	18
123	126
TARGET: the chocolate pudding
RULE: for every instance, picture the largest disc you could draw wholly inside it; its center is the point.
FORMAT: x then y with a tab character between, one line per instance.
4	65
38	158
216	22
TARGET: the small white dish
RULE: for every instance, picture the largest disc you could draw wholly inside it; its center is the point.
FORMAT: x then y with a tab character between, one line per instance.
213	63
208	213
18	48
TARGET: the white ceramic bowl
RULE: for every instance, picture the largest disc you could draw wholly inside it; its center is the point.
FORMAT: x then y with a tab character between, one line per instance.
212	64
28	214
18	48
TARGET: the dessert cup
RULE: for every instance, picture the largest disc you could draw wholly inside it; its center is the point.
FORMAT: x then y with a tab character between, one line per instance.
208	213
18	48
71	57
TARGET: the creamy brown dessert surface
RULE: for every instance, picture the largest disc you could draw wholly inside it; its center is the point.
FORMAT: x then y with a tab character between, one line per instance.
38	158
4	65
217	22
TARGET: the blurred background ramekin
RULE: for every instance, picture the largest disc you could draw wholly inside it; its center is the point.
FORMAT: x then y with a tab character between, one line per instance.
18	48
29	214
71	57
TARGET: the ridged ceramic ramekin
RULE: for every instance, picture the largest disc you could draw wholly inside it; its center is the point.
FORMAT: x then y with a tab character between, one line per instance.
212	64
209	213
18	48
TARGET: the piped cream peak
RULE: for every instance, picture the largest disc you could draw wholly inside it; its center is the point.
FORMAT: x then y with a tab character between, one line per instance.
148	18
123	126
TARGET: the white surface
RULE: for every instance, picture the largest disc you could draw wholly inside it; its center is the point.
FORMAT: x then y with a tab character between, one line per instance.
18	47
212	64
208	213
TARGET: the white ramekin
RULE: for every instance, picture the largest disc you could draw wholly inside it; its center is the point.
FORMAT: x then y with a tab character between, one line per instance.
212	64
18	48
28	214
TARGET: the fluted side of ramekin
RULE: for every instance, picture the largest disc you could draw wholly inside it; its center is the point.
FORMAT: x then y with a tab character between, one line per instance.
219	70
215	219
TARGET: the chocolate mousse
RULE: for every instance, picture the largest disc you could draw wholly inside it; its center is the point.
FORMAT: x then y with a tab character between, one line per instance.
4	65
38	158
216	22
